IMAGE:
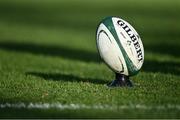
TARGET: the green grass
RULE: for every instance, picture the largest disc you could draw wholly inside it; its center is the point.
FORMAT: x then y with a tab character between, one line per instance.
48	55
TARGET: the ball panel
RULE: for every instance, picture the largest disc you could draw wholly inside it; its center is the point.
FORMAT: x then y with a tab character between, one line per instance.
130	41
109	50
125	40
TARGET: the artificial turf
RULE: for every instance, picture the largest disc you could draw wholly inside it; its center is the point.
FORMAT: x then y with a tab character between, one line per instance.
48	54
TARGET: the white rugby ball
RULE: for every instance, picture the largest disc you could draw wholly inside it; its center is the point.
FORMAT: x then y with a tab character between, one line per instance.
120	46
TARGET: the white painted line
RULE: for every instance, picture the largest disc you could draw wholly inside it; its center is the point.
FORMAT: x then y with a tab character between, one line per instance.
83	106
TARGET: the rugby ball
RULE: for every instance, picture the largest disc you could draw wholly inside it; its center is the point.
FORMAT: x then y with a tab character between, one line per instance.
120	46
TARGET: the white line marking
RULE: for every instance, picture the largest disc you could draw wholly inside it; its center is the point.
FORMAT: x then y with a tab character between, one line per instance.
83	106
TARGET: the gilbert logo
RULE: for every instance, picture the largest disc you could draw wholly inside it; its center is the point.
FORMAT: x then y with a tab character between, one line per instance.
133	38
